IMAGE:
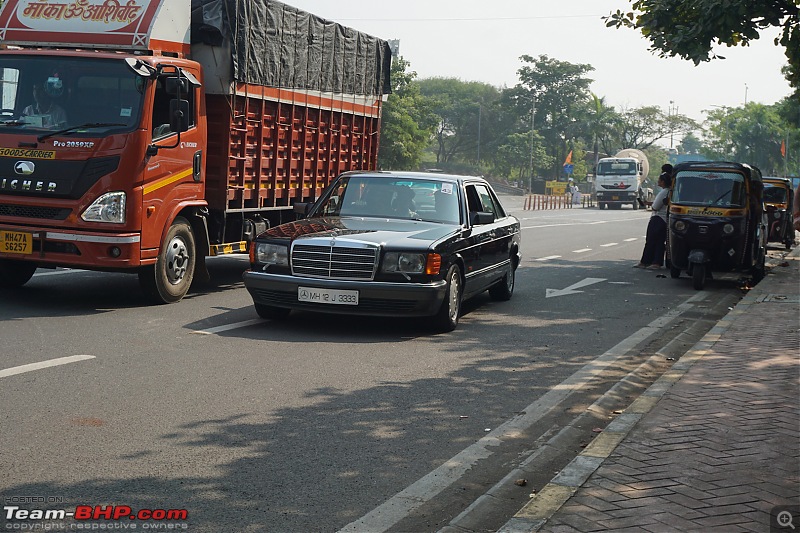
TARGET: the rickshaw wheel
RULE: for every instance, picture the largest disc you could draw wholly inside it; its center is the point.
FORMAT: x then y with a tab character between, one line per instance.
699	276
674	273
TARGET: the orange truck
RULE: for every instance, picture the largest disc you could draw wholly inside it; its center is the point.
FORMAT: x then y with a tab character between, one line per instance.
146	135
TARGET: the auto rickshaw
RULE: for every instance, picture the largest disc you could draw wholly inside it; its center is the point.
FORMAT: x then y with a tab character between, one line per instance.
716	221
778	199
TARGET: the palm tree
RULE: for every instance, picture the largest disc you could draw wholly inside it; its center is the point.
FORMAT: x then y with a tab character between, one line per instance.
600	120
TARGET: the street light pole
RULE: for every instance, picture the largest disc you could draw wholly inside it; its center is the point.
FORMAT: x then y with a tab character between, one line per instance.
669	117
480	109
533	118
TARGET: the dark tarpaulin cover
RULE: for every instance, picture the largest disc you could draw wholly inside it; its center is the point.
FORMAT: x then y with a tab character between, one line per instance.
277	45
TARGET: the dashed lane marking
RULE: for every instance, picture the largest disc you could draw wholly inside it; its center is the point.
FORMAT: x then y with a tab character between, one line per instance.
13	371
582	250
609	244
548	258
228	327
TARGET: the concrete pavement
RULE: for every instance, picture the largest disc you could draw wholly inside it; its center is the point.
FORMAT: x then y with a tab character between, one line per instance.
713	445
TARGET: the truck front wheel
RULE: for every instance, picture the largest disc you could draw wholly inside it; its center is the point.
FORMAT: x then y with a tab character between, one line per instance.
15	274
170	278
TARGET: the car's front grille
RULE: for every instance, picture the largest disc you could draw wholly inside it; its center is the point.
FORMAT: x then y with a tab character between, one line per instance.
334	262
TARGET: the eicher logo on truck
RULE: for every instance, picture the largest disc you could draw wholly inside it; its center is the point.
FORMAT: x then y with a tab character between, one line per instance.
16	184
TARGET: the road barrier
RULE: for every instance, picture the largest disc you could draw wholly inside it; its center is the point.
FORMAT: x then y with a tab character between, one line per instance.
535	202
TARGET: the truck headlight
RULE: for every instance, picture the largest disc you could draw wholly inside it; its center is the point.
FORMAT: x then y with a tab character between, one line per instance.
108	208
404	262
272	254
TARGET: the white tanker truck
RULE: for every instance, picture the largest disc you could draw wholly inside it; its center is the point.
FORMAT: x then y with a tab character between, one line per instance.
619	180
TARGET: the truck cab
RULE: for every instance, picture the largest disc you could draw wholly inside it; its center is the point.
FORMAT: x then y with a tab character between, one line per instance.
117	156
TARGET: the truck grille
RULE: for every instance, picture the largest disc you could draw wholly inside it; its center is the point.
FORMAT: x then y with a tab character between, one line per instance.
334	262
49	213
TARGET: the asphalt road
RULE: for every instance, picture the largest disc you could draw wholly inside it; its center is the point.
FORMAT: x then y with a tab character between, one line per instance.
322	423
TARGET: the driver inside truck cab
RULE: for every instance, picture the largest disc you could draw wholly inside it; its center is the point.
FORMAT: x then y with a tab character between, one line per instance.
44	108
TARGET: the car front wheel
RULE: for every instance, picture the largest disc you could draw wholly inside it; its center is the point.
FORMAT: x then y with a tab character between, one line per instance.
447	317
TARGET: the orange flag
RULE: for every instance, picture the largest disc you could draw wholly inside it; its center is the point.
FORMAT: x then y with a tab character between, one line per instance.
783	148
568	160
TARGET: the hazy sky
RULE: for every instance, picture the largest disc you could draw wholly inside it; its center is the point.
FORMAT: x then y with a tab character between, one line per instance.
480	40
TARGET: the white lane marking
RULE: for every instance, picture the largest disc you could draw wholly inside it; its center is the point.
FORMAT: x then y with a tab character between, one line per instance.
609	244
572	289
58	272
13	371
426	488
632	239
581	250
548	258
620	283
228	327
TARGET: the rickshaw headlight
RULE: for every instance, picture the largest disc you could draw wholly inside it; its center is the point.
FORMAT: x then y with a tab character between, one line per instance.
727	229
777	215
680	225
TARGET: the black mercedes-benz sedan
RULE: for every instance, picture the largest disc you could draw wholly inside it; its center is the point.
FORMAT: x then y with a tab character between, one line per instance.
388	244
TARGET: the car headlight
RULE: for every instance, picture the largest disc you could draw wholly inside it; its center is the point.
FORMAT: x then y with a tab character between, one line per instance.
404	262
727	229
272	254
108	208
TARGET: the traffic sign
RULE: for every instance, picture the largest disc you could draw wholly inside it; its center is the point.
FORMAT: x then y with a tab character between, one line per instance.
569	168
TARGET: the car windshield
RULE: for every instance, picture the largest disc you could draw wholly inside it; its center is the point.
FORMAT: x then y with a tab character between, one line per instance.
397	197
616	168
42	94
709	188
775	194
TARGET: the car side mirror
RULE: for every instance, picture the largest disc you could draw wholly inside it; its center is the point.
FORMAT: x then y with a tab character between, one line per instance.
301	209
480	218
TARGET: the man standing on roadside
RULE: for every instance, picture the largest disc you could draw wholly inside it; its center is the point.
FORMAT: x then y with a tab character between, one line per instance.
656	241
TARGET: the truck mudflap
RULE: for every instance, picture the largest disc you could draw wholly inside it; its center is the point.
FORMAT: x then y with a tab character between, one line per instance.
78	249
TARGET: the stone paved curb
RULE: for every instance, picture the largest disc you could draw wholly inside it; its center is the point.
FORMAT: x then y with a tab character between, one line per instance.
534	515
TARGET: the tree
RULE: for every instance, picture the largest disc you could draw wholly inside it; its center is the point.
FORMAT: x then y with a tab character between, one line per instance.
559	91
466	111
642	127
515	154
690	28
407	124
690	144
600	122
751	134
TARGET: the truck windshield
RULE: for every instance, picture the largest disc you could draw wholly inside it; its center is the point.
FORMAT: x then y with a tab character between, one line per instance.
616	168
724	189
48	94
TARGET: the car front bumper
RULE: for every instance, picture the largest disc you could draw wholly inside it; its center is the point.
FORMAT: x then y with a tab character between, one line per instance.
374	297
